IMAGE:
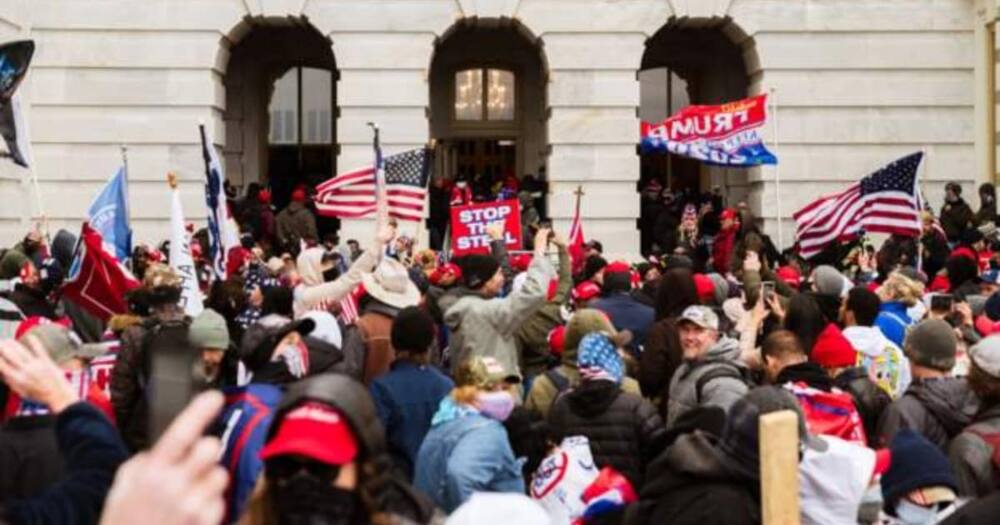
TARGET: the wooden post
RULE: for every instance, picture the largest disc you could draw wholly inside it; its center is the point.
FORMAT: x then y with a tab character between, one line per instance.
779	468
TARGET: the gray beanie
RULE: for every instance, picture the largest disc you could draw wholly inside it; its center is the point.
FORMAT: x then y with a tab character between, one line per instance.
721	286
209	330
829	281
932	344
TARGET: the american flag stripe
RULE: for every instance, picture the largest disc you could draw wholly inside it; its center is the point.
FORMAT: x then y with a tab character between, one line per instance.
354	194
885	201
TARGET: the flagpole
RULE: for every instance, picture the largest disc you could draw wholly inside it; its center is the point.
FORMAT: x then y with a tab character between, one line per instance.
920	211
381	211
128	198
777	171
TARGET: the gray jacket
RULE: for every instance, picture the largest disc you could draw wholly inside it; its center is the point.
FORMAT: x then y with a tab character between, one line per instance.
488	327
727	386
972	456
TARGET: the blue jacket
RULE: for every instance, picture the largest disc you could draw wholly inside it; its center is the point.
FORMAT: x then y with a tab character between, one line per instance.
244	423
406	398
464	453
93	450
893	320
627	314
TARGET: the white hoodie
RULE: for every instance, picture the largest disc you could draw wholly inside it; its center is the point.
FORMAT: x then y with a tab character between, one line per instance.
883	360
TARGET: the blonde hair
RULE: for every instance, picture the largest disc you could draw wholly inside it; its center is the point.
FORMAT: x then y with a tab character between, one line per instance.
898	287
465	395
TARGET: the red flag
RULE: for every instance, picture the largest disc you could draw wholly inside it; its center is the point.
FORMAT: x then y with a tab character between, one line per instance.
96	280
576	243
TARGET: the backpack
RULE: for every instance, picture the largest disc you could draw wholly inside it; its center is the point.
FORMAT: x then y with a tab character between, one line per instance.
727	370
886	370
175	330
993	440
829	413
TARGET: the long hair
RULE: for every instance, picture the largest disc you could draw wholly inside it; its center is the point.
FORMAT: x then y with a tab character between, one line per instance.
676	292
805	319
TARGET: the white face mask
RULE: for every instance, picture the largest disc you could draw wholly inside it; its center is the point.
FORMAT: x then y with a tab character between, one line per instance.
910	513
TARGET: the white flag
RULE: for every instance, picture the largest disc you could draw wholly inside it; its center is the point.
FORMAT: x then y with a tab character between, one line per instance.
181	260
222	234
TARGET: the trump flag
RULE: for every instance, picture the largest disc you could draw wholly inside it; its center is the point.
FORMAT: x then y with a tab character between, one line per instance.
725	135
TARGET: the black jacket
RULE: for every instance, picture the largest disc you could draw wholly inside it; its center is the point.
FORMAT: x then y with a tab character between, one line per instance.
690	484
624	429
29	457
32	302
806	372
937	408
955	218
870	400
92	450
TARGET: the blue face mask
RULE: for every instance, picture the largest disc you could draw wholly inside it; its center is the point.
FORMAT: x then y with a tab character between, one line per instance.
910	513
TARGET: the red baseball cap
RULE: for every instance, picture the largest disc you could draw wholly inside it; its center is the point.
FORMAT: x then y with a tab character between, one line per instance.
789	275
34	321
557	340
704	286
445	269
728	213
316	431
520	261
617	267
586	291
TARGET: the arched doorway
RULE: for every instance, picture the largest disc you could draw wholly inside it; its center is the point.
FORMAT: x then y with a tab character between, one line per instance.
689	62
488	106
281	109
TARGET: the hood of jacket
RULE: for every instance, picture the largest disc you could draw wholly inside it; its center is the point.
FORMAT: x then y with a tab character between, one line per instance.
807	372
310	266
868	340
448	410
592	398
580	324
692	456
948	399
725	349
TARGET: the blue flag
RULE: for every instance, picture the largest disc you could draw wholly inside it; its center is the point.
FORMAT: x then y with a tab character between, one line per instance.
109	216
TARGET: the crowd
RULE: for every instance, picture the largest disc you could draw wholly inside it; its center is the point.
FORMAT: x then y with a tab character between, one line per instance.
389	384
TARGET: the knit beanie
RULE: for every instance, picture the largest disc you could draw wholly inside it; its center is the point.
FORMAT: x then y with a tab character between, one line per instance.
740	439
599	359
916	463
829	281
592	265
932	343
992	308
478	269
720	288
412	330
832	349
209	330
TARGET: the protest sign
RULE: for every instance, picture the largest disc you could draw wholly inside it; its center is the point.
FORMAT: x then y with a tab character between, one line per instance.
727	134
468	226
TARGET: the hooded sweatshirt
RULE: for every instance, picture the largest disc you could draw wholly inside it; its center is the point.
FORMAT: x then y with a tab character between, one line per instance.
722	359
313	293
937	408
881	358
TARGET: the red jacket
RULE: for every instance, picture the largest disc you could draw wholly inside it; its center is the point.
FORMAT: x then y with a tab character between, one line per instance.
722	249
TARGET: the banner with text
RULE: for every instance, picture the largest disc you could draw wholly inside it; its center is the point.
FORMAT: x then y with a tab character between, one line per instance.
468	226
727	134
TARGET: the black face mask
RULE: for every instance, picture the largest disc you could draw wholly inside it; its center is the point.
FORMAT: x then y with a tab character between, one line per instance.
331	275
307	499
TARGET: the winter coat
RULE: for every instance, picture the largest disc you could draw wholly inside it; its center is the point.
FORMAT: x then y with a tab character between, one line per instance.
130	375
294	224
661	356
29	457
92	451
488	327
623	428
894	320
806	372
32	302
870	399
956	217
406	399
722	391
314	293
881	358
935	251
368	350
722	249
691	483
465	452
983	511
627	314
972	457
937	408
987	213
533	335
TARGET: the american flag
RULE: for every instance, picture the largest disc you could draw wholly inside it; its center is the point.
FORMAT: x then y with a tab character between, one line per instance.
353	194
886	201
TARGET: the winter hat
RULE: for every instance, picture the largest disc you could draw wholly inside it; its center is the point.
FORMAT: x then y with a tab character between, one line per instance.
593	265
412	330
832	349
299	195
557	340
264	197
985	326
499	508
704	286
916	463
720	288
209	330
238	256
326	328
986	356
598	358
586	291
992	309
829	281
585	321
478	269
932	343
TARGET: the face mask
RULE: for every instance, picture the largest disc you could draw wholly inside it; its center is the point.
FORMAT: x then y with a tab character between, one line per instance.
296	357
331	274
306	499
910	513
496	405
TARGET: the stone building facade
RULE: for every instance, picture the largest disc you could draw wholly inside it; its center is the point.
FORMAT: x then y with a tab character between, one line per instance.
854	83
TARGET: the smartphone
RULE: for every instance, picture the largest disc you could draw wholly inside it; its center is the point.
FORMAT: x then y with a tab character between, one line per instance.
767	290
171	383
942	302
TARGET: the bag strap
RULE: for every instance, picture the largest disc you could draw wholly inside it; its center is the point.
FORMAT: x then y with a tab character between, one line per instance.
993	440
560	381
727	370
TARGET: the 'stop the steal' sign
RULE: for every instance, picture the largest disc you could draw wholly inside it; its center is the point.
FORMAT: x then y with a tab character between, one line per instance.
728	134
469	223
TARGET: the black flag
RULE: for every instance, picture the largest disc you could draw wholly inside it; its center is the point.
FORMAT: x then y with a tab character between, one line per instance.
14	60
